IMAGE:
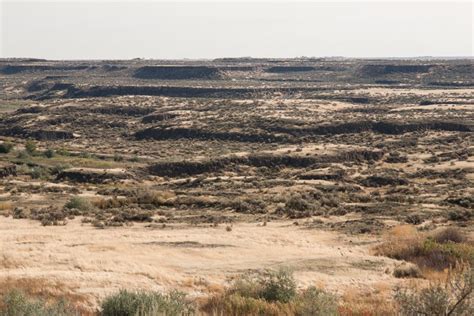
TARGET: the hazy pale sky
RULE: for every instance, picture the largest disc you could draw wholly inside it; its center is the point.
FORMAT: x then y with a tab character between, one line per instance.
194	29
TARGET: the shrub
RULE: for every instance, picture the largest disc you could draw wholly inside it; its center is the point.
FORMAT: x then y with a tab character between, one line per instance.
298	206
39	173
442	256
454	297
49	153
150	197
118	158
15	303
79	203
57	169
30	147
63	152
450	234
114	202
5	147
460	215
405	243
414	219
407	271
314	301
23	155
248	206
278	286
141	303
270	293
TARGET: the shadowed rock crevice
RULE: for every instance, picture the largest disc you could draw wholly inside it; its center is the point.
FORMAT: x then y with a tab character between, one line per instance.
44	135
377	127
182	168
189	133
177	72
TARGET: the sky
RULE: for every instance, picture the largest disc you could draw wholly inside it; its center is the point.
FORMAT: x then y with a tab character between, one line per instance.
205	30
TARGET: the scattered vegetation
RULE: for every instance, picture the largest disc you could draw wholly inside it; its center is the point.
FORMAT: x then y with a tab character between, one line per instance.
6	147
30	147
49	153
16	303
453	297
271	293
142	303
442	250
78	203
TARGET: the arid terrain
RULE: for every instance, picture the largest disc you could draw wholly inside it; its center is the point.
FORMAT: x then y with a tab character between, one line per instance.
184	175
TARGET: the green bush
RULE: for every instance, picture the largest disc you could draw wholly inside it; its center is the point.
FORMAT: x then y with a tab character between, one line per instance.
314	301
278	286
63	152
49	153
141	303
15	303
270	293
30	147
23	155
454	297
6	147
441	256
450	234
79	203
57	169
272	286
39	173
118	158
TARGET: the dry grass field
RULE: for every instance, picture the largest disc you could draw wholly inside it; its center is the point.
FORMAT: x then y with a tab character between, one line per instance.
237	187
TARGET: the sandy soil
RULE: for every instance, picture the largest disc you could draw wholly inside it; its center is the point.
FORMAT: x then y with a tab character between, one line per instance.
194	259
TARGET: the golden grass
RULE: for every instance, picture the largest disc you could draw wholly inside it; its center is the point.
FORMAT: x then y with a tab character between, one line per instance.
6	206
368	303
49	290
6	262
406	243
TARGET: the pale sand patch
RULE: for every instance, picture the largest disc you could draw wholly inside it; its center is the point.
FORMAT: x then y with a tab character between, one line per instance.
100	261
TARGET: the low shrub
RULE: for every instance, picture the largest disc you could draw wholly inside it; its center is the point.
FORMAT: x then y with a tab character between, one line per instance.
450	234
270	293
16	303
40	172
49	216
30	147
150	197
314	301
452	297
405	243
78	203
460	215
142	303
407	271
118	158
6	147
251	206
114	202
299	206
279	286
23	155
49	153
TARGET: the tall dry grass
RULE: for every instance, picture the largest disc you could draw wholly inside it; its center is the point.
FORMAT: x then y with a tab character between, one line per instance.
430	251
